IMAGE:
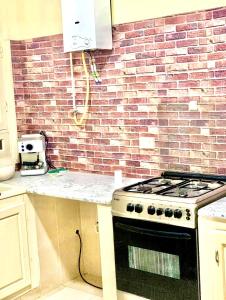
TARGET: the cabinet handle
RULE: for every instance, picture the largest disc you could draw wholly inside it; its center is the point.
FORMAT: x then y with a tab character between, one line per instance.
217	257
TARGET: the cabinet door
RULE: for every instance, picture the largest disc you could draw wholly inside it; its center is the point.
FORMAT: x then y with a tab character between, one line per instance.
220	263
14	255
3	124
3	103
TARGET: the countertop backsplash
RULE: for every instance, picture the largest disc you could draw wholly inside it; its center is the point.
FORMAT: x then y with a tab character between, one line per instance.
161	104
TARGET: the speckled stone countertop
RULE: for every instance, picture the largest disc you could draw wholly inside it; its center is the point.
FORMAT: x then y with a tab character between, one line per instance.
80	186
216	209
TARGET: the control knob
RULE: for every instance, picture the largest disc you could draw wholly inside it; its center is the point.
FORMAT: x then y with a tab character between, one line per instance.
29	147
168	212
177	213
159	211
138	208
151	210
130	207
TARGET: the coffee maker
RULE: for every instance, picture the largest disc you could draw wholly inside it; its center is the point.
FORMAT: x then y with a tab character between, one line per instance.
32	149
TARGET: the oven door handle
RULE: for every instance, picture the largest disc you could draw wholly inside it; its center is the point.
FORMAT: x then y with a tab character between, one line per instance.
153	233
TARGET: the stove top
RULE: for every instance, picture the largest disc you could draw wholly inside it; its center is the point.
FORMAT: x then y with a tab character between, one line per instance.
182	188
172	198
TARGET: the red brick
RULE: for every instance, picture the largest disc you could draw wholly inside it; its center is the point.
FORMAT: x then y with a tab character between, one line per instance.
197	50
125	27
175	20
221	64
144	24
220	47
219	13
175	36
199	75
187	43
186	27
150	31
159	38
145	55
221	73
179	76
134	34
160	69
166	45
219	30
216	56
187	58
218	82
134	49
135	63
189	83
126	43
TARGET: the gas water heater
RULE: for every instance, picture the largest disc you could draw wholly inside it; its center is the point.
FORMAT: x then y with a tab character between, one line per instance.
86	25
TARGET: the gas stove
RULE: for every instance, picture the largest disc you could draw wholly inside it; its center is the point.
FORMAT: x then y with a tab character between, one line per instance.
173	198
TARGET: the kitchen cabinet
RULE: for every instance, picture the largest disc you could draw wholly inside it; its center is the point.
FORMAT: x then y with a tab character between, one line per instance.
7	103
3	102
18	273
3	124
212	246
107	252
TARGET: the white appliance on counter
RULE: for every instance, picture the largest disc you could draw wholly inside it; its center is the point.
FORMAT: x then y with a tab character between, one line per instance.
32	149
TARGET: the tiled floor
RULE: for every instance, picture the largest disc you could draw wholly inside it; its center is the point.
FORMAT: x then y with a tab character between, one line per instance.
74	291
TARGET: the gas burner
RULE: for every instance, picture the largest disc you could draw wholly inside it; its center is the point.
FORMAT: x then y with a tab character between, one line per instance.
144	188
197	185
153	186
161	181
182	192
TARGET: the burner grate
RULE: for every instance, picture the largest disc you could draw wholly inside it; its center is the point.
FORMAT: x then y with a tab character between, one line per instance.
153	186
176	186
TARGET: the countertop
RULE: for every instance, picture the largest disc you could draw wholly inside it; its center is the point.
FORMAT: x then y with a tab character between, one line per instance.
88	187
216	209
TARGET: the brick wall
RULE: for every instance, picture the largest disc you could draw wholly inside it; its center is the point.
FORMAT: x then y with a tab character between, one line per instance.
161	104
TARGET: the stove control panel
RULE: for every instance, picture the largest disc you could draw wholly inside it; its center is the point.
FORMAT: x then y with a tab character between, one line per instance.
180	214
167	212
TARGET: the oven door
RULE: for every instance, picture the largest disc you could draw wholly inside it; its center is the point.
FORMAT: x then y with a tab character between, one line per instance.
156	261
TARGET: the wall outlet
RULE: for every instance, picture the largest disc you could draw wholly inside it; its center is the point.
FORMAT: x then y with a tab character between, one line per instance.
205	131
193	105
147	142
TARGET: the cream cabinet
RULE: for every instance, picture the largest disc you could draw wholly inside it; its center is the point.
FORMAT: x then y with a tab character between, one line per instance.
3	106
16	266
212	246
3	86
7	103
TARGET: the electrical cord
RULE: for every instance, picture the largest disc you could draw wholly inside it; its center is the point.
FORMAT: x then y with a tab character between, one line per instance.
48	160
79	262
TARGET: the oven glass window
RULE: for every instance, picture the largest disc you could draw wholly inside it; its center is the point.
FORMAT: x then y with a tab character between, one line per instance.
154	262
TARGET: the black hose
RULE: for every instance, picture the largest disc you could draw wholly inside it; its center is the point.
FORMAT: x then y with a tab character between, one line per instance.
48	160
79	262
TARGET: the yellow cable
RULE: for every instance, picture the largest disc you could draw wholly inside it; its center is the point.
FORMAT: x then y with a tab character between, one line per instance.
80	121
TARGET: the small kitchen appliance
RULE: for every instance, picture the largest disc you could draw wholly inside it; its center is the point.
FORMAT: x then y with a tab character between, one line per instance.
32	151
156	234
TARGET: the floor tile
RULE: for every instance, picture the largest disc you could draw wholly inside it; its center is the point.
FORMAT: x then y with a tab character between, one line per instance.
68	294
